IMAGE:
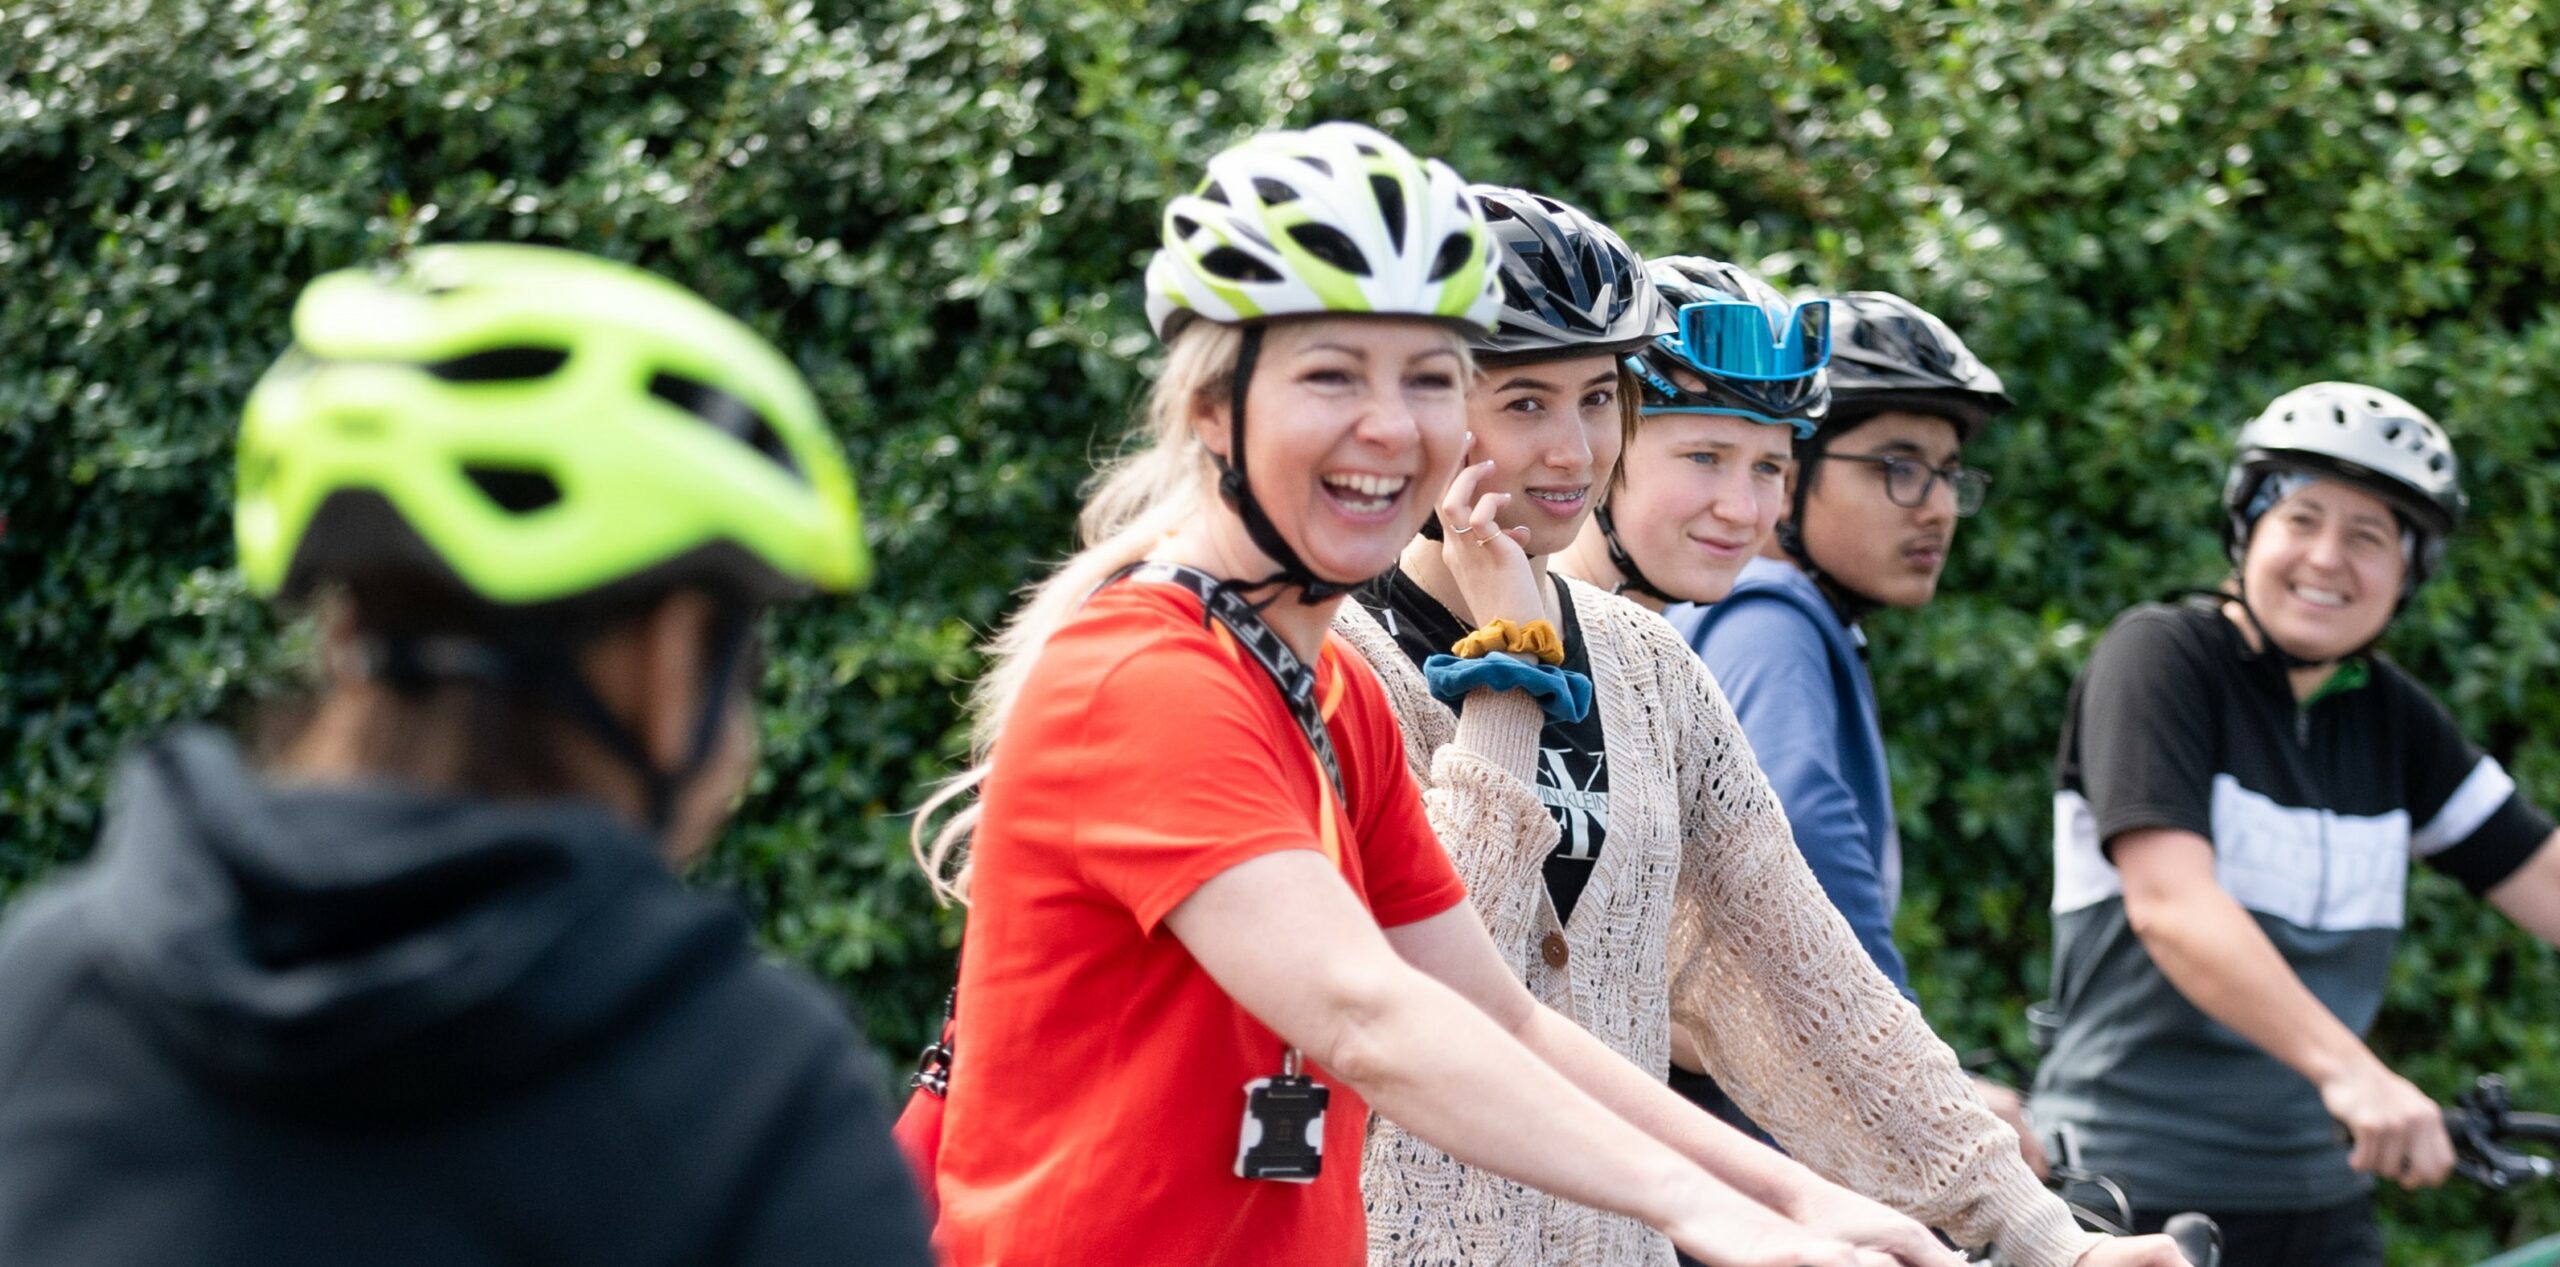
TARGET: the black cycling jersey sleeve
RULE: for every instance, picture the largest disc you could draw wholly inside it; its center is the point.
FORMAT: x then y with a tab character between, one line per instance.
2143	726
2453	786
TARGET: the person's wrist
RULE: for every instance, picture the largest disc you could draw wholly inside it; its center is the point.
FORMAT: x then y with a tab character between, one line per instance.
2336	1066
1793	1190
1518	608
1697	1201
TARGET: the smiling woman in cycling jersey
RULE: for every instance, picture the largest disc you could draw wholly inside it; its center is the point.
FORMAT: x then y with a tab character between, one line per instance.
2243	784
1627	856
1198	871
420	987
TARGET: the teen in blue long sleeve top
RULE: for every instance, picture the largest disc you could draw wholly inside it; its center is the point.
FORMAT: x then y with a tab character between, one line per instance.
1797	677
1873	505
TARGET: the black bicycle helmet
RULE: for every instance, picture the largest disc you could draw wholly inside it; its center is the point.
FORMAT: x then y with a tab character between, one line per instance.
1888	353
1570	287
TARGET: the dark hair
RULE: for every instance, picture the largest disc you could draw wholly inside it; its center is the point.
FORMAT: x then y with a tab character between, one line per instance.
482	678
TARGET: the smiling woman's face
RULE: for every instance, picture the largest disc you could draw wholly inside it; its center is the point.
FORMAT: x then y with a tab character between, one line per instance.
1700	494
1352	430
2323	569
1552	430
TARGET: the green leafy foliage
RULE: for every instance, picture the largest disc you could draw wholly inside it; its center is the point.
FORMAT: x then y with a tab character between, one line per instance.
2150	216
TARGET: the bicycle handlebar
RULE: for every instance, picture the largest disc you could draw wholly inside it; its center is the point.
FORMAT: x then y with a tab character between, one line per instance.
2482	1121
2197	1238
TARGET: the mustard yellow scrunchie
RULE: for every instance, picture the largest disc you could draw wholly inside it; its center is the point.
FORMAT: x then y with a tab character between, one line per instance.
1537	639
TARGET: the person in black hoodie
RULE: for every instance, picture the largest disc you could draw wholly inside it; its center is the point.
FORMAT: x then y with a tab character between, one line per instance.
422	988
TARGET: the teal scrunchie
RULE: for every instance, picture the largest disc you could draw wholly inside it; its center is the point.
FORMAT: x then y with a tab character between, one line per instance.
1563	693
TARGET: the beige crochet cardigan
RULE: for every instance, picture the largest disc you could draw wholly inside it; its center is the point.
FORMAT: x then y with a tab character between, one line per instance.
1699	915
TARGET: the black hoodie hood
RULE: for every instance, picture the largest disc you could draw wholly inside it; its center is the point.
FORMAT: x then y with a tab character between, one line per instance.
371	950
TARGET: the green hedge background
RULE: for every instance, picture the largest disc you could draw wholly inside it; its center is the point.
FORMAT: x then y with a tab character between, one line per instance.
2149	216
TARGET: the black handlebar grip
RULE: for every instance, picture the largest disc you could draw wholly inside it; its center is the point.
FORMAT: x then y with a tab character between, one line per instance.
2198	1238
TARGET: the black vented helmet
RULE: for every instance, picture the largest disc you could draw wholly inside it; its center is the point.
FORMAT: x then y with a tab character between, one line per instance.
1888	353
1570	287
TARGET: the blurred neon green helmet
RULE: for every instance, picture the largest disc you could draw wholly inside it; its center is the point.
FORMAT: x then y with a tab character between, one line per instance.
540	426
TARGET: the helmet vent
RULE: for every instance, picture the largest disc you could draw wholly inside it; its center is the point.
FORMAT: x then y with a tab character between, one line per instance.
1331	245
1274	193
1237	266
1319	164
1390	195
726	413
516	490
1367	150
512	364
2338	414
1185	227
1455	251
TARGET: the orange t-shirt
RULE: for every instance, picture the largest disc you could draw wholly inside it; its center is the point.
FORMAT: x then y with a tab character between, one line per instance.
1098	1075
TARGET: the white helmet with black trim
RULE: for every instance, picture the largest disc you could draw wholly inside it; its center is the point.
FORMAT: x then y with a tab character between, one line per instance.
1335	219
2364	436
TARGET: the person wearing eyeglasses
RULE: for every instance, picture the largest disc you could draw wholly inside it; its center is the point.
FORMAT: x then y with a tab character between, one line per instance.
1872	506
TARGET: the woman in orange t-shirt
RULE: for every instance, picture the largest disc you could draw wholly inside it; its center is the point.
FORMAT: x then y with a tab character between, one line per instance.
1201	906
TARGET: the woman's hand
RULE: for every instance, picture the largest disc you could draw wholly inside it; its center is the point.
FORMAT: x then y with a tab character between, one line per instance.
1742	1234
2134	1251
2399	1132
1491	568
1893	1238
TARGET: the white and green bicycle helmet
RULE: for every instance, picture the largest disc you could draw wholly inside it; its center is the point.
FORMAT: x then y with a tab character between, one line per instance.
1335	219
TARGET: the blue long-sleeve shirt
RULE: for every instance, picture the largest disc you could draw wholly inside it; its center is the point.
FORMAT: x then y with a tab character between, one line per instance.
1796	679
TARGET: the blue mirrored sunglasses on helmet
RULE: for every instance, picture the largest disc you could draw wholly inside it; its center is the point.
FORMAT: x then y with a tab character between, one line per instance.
1731	338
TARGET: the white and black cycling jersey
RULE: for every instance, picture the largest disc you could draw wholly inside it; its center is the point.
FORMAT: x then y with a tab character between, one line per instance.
2315	811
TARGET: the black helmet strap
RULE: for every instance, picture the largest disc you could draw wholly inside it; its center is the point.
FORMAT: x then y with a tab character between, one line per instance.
409	665
2239	593
1630	577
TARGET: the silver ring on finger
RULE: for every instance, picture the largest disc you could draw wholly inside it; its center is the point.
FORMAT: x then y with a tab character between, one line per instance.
1485	540
1462	531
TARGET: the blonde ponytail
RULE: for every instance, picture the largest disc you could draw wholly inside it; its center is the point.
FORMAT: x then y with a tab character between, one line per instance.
1158	484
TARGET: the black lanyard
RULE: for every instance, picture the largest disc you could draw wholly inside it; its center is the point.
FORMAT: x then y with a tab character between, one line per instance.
1296	681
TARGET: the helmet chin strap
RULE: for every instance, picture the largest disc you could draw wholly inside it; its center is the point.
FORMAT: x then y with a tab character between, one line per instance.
1236	489
1630	577
660	786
